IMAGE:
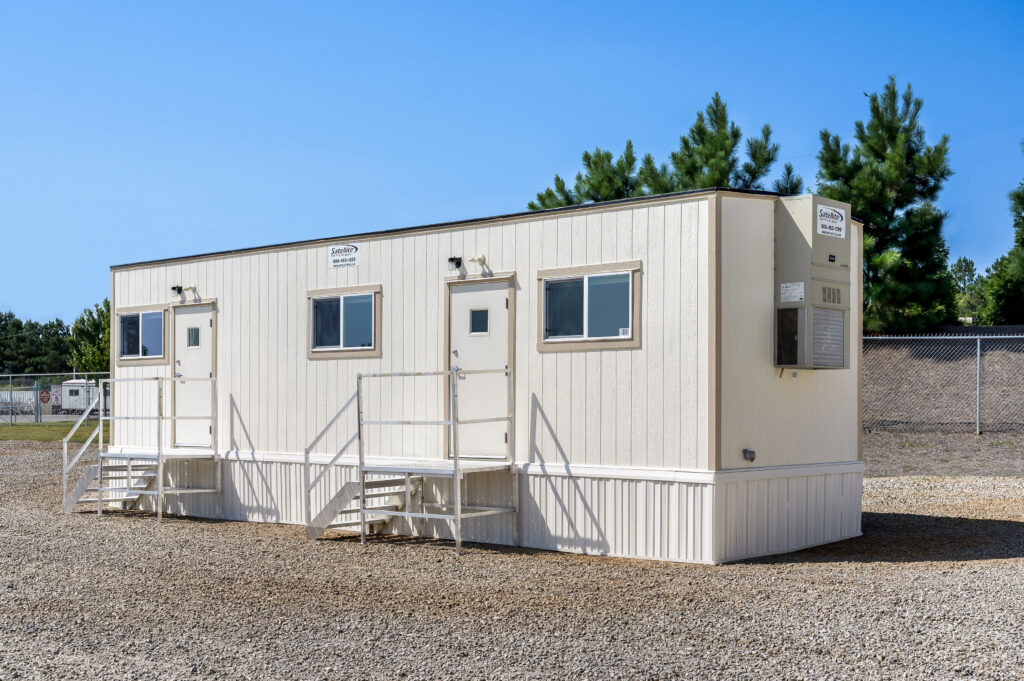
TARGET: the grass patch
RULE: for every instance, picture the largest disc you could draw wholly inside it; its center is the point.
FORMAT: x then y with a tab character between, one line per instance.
1003	443
914	445
50	432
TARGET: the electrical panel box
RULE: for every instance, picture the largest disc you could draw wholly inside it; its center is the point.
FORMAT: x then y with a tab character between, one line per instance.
812	283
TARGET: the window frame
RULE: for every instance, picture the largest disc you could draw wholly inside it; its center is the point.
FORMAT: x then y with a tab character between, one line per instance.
140	359
634	268
338	351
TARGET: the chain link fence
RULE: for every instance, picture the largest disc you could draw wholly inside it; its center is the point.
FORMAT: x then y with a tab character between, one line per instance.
956	384
42	398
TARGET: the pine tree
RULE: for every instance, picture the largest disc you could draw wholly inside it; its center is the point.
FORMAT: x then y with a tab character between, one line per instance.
790	184
601	180
707	157
1004	293
891	179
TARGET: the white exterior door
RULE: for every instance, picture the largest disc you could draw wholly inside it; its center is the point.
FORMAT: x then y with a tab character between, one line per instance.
479	332
193	358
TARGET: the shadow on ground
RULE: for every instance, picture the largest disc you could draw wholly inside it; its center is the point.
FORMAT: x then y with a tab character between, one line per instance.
909	538
887	538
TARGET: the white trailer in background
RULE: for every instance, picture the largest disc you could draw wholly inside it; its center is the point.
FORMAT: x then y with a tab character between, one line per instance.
672	377
75	395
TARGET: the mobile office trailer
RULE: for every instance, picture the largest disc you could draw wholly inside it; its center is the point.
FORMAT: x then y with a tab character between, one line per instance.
671	377
75	395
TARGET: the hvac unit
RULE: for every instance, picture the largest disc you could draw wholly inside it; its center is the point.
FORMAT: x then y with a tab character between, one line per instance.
812	283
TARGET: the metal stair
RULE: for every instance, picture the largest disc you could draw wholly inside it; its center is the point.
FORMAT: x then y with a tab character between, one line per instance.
123	484
397	495
121	479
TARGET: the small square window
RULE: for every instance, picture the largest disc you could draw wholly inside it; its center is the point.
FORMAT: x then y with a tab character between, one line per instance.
478	321
193	337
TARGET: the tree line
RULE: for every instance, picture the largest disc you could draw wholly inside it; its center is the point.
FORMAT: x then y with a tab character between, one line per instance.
997	296
890	176
30	347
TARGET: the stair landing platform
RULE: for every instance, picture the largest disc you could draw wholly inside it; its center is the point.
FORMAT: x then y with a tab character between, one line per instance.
433	467
172	455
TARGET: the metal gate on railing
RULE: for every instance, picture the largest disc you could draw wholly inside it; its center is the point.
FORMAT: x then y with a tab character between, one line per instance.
945	383
455	463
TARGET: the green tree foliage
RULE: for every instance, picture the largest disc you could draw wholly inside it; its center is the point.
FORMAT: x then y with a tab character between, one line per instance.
90	339
891	178
790	184
964	273
28	347
708	156
1004	302
970	289
602	179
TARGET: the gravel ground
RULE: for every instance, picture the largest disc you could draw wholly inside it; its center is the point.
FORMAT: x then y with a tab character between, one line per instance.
996	454
935	589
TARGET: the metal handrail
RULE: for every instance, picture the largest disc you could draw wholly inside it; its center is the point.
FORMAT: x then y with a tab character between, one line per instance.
160	417
309	448
67	438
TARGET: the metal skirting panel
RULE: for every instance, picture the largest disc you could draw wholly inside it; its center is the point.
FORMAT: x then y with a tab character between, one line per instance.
699	522
779	515
661	520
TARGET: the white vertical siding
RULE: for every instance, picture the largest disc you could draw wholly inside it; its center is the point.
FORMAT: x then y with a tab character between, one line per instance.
808	420
624	407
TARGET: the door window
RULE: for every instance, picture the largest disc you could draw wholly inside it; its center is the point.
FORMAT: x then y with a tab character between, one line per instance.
478	322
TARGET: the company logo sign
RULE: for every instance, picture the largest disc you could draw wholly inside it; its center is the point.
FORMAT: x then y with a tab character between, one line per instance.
832	221
343	255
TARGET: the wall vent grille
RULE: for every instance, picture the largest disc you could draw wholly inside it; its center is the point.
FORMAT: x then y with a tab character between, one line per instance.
829	347
830	296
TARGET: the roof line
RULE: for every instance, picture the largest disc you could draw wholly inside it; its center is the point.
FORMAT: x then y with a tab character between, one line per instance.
451	223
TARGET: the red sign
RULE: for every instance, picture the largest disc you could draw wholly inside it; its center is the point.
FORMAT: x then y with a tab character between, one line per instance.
44	396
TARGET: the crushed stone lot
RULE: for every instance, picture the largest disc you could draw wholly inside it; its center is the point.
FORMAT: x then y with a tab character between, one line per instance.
934	589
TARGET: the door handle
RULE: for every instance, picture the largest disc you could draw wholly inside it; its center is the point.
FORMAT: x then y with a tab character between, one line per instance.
177	374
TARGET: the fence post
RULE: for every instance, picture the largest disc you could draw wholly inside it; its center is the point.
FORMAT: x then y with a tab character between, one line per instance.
977	405
35	403
10	400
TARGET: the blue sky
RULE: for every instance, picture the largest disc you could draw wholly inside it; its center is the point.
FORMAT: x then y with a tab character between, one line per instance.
140	130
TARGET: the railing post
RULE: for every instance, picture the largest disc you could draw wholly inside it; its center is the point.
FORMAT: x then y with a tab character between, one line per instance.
65	470
159	450
306	491
99	460
362	473
99	414
977	405
511	457
457	473
215	436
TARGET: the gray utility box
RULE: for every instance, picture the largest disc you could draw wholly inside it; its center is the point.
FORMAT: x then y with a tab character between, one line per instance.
812	283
